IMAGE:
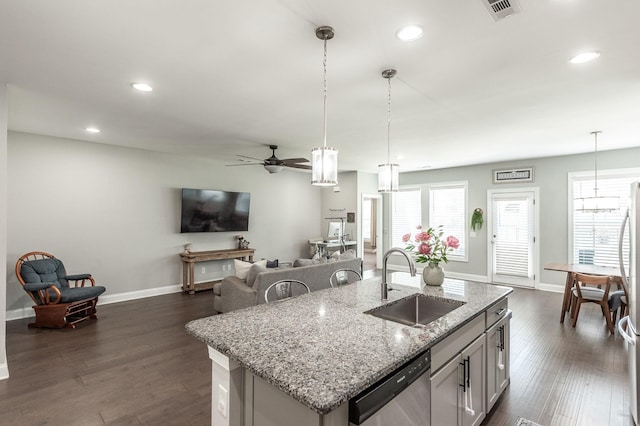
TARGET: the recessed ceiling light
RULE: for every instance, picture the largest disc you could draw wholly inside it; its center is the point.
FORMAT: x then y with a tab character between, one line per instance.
92	130
143	87
410	33
584	57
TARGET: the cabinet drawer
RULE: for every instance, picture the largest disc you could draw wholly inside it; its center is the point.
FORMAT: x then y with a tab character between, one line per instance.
496	312
453	344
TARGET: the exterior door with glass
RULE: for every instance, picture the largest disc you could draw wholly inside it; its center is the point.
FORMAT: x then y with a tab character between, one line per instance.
512	237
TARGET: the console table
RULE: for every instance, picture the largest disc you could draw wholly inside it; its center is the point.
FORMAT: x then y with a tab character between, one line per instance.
325	248
189	261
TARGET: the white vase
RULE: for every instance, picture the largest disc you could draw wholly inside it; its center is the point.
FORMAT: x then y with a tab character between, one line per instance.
433	274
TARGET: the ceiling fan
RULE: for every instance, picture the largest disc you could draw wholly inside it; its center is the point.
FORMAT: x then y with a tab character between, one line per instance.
273	164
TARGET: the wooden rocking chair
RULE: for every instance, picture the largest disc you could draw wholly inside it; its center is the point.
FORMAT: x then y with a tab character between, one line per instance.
57	304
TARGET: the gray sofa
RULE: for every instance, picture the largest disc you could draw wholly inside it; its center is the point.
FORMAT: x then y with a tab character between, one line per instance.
234	293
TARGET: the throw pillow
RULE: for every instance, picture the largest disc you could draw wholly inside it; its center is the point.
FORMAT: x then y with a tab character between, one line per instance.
255	269
272	263
242	268
304	262
347	255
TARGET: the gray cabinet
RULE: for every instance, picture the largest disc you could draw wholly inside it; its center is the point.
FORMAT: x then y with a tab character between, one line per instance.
497	359
458	388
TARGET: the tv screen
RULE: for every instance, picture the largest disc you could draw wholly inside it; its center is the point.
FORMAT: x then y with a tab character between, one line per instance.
205	210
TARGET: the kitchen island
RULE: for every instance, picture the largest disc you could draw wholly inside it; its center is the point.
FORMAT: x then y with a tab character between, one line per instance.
308	356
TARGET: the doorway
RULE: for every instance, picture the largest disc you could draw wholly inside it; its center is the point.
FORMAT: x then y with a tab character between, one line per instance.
371	235
513	229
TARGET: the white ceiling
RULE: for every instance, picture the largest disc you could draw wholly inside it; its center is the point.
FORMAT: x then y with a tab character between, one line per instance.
231	77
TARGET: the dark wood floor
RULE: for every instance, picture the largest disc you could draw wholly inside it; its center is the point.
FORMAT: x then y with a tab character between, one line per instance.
562	375
137	365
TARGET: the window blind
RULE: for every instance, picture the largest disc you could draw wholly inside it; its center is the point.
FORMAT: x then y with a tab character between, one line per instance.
596	235
447	207
406	214
512	242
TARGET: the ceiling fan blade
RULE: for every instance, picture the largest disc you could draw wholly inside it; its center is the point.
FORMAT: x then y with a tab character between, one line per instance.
295	160
298	166
251	158
245	164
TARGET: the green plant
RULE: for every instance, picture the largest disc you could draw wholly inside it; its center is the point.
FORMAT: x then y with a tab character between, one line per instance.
477	219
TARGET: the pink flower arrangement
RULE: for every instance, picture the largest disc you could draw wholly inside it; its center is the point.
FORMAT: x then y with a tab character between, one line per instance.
430	245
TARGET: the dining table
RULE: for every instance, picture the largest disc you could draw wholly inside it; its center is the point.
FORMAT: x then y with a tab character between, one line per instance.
578	268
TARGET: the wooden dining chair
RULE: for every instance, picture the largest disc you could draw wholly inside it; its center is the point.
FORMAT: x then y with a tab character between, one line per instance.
594	289
618	301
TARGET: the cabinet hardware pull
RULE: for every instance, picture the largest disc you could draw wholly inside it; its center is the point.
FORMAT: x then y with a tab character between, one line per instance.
468	396
500	311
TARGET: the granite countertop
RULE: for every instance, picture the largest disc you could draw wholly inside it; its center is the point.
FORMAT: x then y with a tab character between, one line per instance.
322	349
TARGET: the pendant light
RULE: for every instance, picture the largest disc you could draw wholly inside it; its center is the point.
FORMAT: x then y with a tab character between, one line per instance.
596	204
324	160
388	173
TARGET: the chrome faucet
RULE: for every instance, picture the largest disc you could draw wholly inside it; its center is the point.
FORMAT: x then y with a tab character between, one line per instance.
384	288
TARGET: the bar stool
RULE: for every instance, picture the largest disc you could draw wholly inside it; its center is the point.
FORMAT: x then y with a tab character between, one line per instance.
285	289
341	277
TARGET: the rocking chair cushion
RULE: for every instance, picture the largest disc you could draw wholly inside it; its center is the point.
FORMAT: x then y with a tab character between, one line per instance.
39	286
44	270
81	293
78	277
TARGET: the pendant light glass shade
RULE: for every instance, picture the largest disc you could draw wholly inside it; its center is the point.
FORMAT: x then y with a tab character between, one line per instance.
324	166
596	204
388	177
388	173
324	160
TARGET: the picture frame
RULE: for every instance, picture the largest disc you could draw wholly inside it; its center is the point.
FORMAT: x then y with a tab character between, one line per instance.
351	217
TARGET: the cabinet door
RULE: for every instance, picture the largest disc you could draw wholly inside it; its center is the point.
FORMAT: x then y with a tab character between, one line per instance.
445	391
493	348
473	397
503	335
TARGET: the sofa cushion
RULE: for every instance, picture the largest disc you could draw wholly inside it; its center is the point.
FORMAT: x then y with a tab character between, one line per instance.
305	262
255	269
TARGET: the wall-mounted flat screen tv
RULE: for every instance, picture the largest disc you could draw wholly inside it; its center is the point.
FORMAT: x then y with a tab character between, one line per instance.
206	210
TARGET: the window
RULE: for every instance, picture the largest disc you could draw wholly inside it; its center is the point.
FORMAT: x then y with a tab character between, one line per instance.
447	207
406	214
593	239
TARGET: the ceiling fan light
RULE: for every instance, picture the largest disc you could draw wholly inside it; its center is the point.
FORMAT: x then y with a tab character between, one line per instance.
324	166
388	177
273	168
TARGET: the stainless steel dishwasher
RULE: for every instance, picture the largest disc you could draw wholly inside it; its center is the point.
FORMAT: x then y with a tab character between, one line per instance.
401	398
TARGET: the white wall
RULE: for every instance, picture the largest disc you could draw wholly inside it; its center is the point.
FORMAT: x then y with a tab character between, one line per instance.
4	368
551	177
115	212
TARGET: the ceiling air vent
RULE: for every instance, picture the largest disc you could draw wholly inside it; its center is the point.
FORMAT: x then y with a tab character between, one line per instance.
500	9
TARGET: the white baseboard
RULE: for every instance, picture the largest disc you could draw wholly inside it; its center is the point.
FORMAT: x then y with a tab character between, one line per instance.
4	371
554	288
104	300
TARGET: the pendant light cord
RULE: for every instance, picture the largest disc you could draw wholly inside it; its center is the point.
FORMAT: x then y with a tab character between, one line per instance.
324	64
389	124
595	163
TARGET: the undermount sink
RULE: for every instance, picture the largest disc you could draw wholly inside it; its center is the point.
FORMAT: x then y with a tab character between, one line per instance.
415	310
